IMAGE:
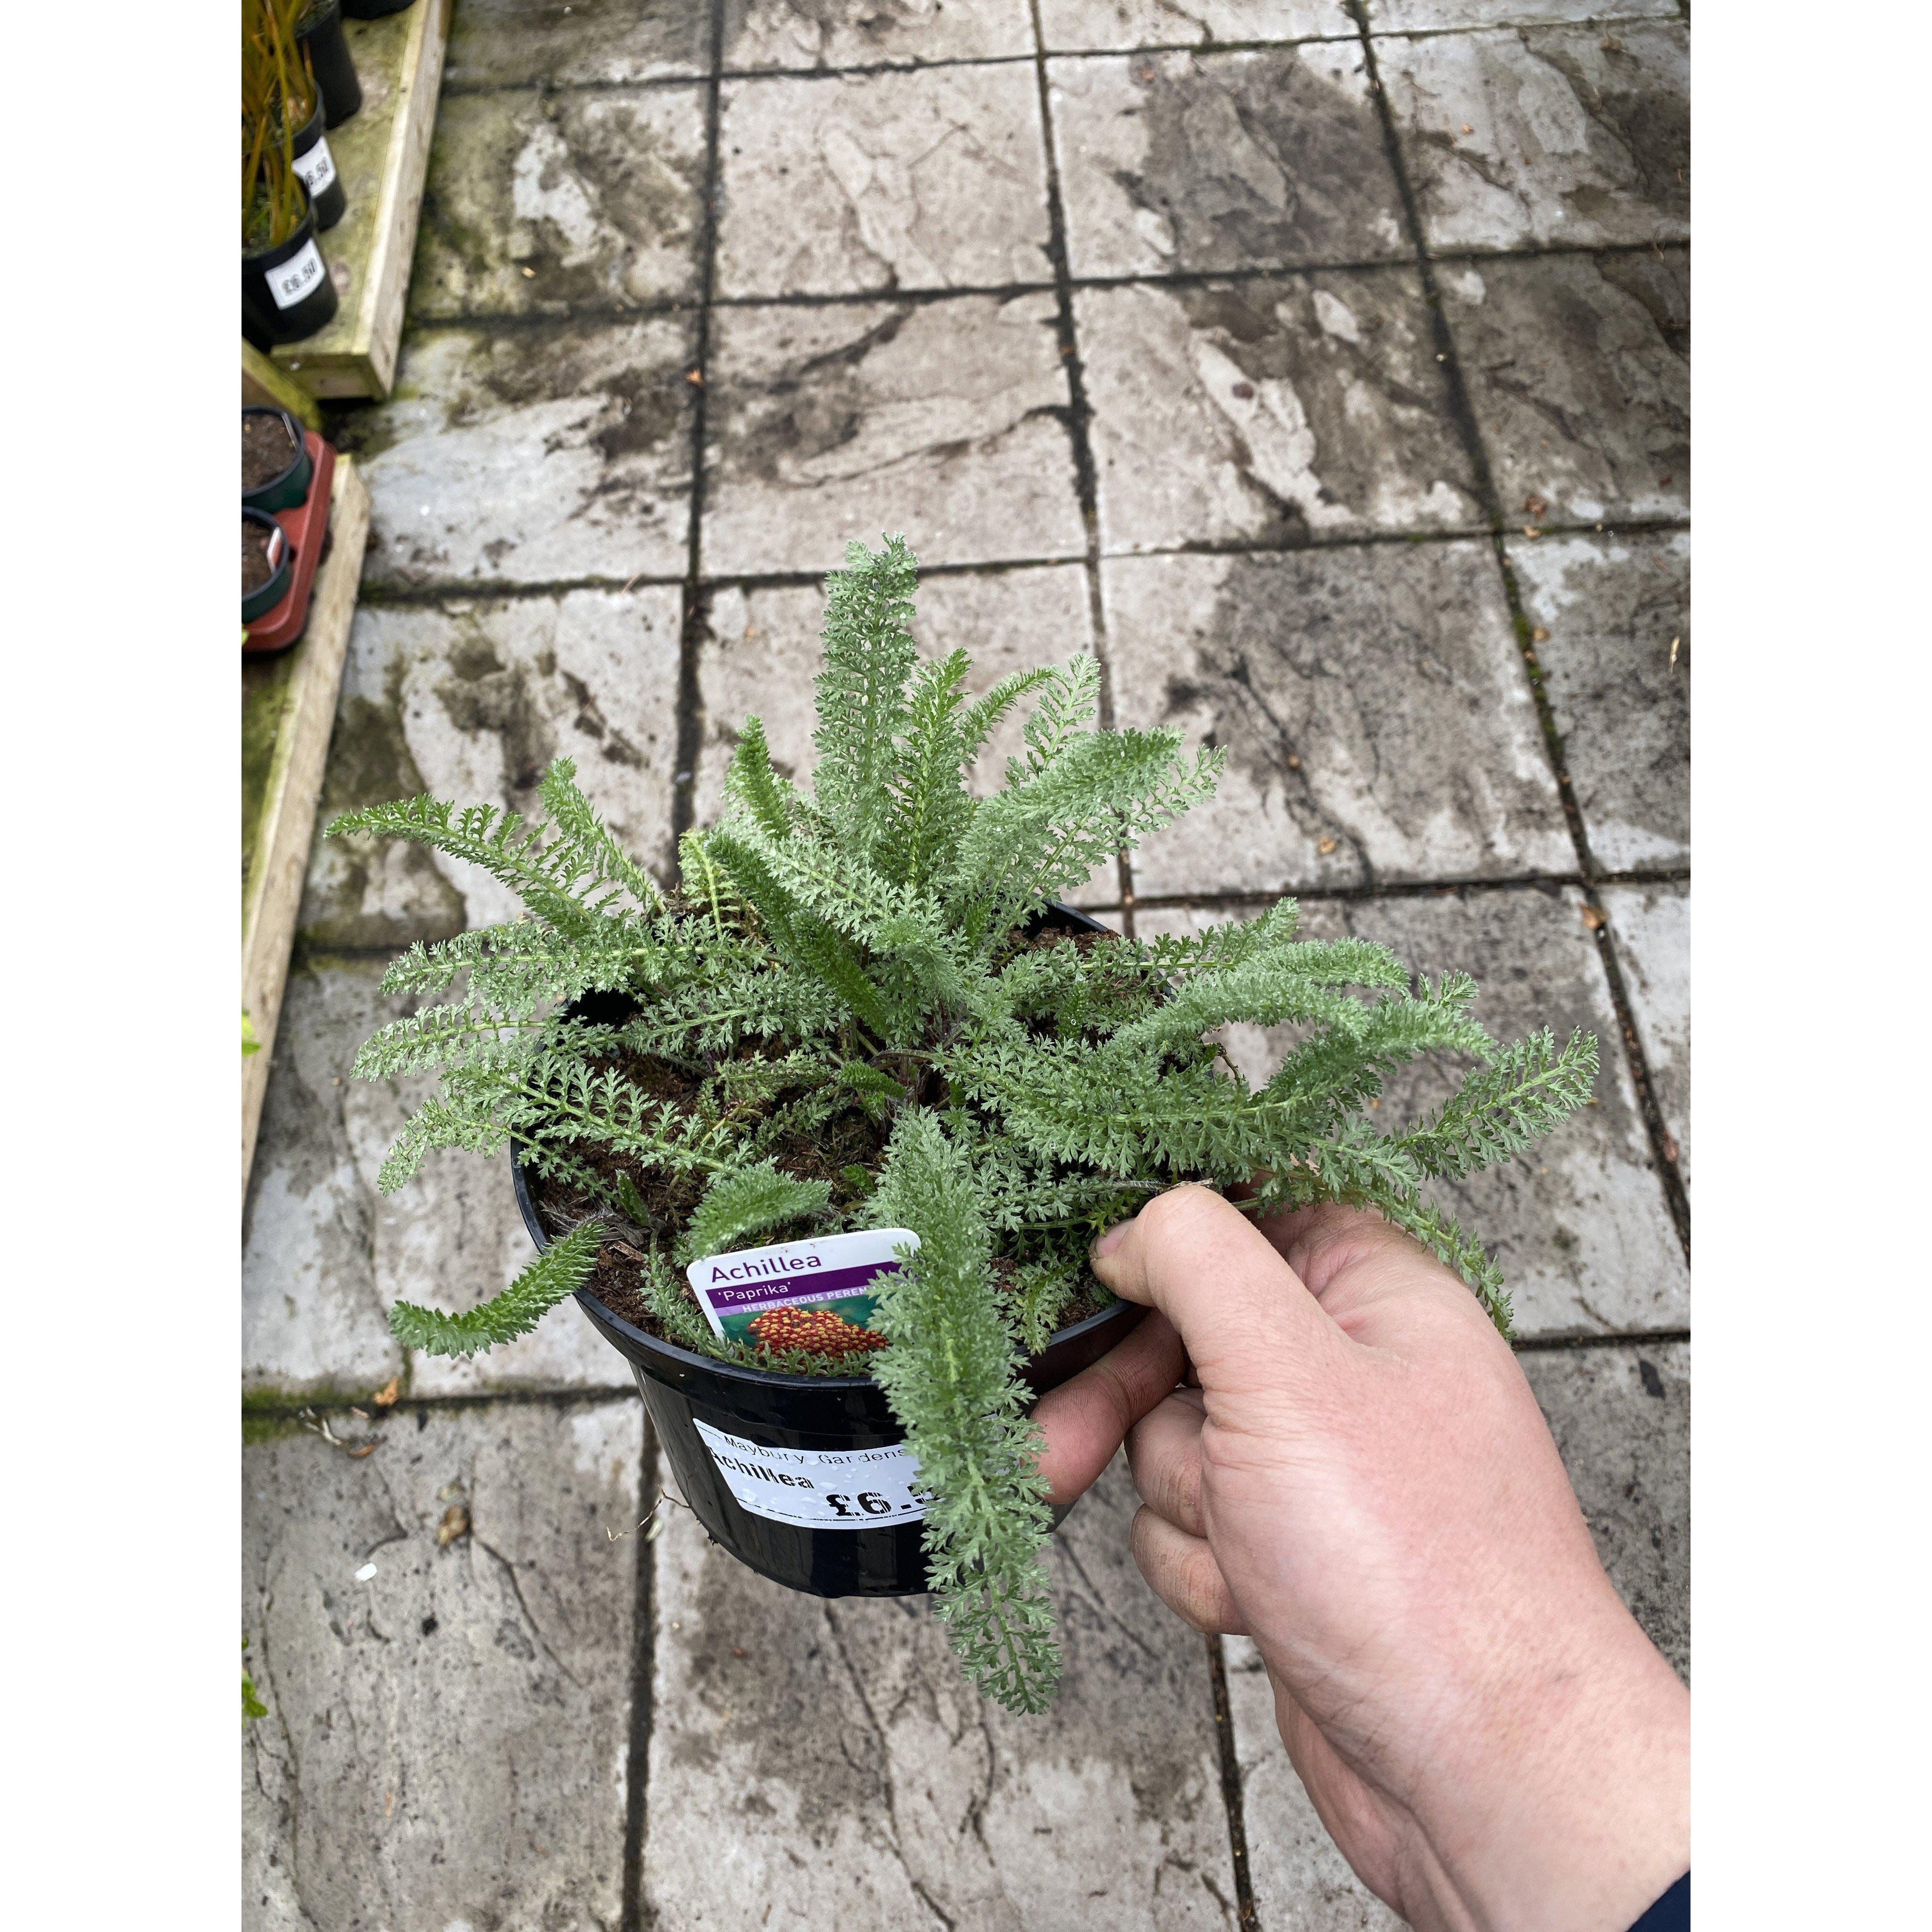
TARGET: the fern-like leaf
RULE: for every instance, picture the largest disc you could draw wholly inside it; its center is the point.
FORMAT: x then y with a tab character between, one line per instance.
558	1273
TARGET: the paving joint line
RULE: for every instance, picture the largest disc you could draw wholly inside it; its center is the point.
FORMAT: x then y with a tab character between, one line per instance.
1079	416
505	322
692	631
1623	1338
280	1408
1463	411
632	1912
429	595
1234	1797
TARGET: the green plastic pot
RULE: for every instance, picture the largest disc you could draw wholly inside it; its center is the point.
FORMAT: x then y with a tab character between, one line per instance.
291	487
259	602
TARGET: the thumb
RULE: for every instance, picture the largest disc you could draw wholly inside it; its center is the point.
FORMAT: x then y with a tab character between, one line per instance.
1241	1312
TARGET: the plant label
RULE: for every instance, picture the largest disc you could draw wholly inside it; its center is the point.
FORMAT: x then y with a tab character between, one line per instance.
813	1294
819	1489
300	275
316	168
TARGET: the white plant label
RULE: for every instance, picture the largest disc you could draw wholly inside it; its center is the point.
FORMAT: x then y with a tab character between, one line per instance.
819	1489
758	1295
302	275
316	168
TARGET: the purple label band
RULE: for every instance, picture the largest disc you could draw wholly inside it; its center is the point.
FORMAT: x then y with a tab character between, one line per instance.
814	1284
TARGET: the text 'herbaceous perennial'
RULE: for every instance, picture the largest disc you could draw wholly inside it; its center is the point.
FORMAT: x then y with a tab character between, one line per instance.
849	955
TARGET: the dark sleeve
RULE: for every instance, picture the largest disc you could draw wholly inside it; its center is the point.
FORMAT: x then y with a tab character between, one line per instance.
1671	1913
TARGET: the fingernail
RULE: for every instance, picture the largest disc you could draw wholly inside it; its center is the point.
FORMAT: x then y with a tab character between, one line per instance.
1110	1240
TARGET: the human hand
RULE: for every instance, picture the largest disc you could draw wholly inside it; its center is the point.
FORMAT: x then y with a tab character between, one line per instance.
1362	1482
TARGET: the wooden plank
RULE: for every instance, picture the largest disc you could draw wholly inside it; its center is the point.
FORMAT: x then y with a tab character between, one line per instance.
265	386
288	711
381	153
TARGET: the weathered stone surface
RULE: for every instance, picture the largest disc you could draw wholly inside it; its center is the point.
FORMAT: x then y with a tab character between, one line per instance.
1402	17
816	1764
1301	1882
929	179
1578	368
1579	1225
1265	158
1652	927
797	34
1074	26
1377	719
1270	412
446	1743
761	653
1621	1416
538	455
568	43
938	419
1613	606
538	203
326	1254
471	699
1564	135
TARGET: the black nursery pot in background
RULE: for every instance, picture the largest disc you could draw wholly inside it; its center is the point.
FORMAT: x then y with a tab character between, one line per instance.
316	166
287	291
372	10
268	594
719	1424
320	31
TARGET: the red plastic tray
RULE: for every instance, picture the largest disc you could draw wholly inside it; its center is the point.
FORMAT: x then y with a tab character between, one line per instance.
306	527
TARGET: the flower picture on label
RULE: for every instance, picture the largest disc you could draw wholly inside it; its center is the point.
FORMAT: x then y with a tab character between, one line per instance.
815	1295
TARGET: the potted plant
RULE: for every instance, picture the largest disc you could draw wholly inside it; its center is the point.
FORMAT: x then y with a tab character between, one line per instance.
287	291
268	564
372	10
318	30
862	1018
276	466
286	475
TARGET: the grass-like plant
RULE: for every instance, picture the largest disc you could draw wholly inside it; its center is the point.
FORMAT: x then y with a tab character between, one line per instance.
278	97
844	966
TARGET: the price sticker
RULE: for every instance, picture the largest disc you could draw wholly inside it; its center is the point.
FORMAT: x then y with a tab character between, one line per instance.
819	1489
316	168
299	276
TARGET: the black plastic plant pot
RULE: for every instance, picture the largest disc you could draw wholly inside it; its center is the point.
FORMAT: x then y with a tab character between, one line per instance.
287	293
733	1433
373	9
321	32
316	166
264	597
285	491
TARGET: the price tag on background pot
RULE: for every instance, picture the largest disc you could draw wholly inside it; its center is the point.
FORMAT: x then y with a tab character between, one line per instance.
316	168
300	275
813	1294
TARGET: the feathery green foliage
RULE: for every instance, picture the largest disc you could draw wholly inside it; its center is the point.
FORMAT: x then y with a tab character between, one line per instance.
837	1020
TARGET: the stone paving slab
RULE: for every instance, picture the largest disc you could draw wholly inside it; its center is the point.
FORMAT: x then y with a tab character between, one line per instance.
933	179
1612	606
1652	927
942	420
530	455
816	1764
1267	158
1373	706
1074	26
1621	1416
447	1742
538	202
575	43
1270	412
471	699
326	1254
1578	369
1580	1224
805	33
1564	135
1403	17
